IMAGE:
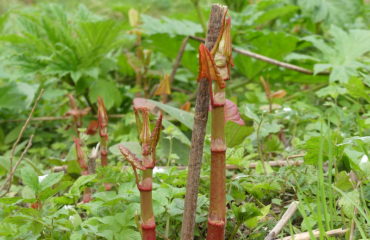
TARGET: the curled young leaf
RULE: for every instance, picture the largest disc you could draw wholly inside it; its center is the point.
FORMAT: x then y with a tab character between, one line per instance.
92	128
279	94
102	118
80	154
144	104
186	106
207	67
222	50
232	113
131	158
164	87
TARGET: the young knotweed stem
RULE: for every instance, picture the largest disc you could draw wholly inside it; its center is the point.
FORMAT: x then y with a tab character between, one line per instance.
76	113
218	66
103	132
81	159
148	141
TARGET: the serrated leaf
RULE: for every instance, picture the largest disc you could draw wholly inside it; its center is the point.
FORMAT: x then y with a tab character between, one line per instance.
83	180
50	180
169	26
106	90
184	117
343	54
30	179
235	133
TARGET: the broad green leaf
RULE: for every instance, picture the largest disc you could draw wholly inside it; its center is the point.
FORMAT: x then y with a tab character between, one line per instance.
331	11
134	147
184	117
276	13
357	89
173	130
30	179
343	54
169	26
235	133
106	90
83	180
50	180
348	202
276	45
333	90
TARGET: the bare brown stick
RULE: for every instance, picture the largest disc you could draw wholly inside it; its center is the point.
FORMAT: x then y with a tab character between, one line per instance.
283	221
62	168
268	60
52	118
178	59
316	233
9	179
20	135
199	130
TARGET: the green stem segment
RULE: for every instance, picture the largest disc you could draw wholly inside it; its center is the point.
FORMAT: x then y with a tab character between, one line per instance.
147	214
217	210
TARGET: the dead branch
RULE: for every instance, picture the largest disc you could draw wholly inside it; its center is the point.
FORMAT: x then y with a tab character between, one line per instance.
20	135
316	233
268	60
178	58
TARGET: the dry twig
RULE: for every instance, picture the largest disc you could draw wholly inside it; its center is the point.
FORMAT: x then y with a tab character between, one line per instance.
283	221
316	233
268	60
20	135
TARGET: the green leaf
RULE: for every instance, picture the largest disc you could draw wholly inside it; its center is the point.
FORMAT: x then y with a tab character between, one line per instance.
30	179
106	90
344	53
331	11
357	89
134	147
343	181
169	26
50	180
83	180
184	117
276	45
333	90
276	13
235	133
348	202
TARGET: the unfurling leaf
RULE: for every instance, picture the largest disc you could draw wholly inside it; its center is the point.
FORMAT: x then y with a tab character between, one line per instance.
207	67
164	87
131	158
92	128
186	106
222	50
232	113
102	118
80	155
142	103
133	17
279	94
